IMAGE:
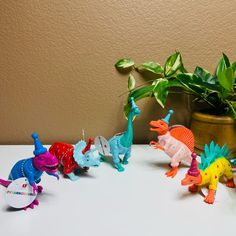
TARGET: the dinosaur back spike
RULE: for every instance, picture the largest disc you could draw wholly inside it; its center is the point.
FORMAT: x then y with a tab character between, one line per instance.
184	135
211	153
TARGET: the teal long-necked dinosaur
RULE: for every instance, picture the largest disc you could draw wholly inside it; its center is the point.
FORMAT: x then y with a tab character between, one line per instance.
120	144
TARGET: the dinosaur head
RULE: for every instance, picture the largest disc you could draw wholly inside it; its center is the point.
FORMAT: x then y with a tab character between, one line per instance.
193	175
161	126
134	108
43	160
84	155
46	162
90	160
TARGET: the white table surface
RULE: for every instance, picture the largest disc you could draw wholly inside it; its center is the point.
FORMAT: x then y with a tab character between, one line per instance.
139	201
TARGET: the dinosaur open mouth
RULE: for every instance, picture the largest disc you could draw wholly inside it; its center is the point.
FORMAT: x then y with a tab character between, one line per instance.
51	167
154	126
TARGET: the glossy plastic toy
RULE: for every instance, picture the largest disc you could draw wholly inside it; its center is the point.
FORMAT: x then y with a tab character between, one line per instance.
176	141
232	160
33	168
214	164
70	158
120	144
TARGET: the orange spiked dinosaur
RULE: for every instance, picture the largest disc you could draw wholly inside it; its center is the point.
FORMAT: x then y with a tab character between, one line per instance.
176	141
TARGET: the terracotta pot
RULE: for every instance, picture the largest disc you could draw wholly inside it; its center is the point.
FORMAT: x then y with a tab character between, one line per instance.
220	129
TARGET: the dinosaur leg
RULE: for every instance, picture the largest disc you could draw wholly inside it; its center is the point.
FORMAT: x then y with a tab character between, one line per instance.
85	169
156	145
172	173
119	167
73	177
193	188
5	183
116	160
210	198
230	183
126	157
40	189
102	157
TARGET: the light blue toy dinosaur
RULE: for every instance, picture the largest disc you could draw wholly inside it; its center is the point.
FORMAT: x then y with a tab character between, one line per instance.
120	144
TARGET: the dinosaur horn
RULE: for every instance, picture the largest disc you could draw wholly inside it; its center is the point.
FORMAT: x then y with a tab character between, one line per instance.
193	170
88	146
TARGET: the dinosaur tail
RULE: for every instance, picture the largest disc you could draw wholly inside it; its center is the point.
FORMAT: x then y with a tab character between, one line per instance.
5	183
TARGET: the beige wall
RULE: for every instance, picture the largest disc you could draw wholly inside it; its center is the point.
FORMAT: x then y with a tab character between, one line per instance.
57	57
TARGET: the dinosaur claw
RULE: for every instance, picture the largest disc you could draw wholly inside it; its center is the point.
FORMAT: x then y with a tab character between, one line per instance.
230	183
31	206
125	162
193	188
119	167
152	143
172	173
36	202
210	198
40	189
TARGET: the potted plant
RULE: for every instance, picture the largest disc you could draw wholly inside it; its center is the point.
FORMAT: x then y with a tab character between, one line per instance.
215	92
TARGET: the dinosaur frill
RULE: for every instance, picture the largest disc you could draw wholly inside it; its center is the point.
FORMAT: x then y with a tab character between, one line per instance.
183	135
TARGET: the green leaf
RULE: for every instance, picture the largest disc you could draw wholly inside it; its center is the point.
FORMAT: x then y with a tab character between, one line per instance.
160	91
124	63
232	106
151	67
175	83
138	94
222	65
173	65
207	92
204	75
131	82
226	78
234	68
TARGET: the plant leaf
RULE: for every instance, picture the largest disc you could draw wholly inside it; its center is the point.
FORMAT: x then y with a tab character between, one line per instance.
232	106
160	91
124	63
204	75
151	67
173	64
137	94
226	78
205	91
222	65
234	66
131	82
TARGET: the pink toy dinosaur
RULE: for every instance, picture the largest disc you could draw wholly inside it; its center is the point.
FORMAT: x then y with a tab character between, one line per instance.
176	141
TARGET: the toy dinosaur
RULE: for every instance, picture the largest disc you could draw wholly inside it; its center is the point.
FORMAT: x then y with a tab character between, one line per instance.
214	164
176	141
74	158
33	168
120	144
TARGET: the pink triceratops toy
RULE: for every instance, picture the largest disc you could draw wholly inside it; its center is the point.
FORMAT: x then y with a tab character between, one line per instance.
176	141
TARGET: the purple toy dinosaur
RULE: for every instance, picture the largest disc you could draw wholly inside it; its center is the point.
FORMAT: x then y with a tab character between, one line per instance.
33	168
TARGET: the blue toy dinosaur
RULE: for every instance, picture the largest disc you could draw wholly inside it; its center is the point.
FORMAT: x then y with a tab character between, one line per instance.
120	144
33	168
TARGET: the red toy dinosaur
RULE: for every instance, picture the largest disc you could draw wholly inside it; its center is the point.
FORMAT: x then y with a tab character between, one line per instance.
176	141
71	158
